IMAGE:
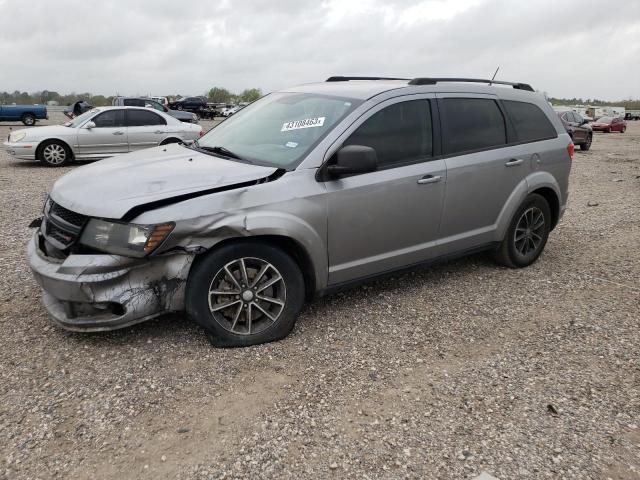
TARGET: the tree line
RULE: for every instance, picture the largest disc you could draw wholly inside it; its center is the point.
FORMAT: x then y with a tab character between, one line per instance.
223	95
629	104
215	95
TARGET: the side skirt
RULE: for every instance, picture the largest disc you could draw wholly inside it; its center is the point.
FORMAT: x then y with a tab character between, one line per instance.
338	287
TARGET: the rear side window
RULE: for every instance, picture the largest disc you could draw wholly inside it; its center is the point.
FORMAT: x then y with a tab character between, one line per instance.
472	124
110	118
530	122
139	118
400	133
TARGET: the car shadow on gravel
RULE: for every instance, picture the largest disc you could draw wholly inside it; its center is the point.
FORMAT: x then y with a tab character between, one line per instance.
173	327
36	164
177	329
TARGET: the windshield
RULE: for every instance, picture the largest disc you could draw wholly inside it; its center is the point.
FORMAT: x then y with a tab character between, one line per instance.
604	120
80	119
279	129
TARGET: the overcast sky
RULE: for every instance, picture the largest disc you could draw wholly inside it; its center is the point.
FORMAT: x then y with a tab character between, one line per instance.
568	48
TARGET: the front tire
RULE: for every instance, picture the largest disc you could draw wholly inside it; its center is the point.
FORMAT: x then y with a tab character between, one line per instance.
587	145
245	293
180	107
54	153
527	234
28	119
624	129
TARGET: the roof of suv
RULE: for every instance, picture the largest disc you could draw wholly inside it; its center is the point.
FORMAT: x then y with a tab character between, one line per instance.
365	89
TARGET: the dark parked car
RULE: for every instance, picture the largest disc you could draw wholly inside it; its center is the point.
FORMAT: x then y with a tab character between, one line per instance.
150	103
191	104
578	129
632	115
609	124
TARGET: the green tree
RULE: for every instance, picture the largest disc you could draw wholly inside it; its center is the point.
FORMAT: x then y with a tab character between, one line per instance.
250	95
219	95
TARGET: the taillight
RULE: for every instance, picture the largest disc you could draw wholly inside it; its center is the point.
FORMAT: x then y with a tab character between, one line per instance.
570	149
202	133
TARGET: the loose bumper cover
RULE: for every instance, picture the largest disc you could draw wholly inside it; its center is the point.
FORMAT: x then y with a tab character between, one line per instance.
100	292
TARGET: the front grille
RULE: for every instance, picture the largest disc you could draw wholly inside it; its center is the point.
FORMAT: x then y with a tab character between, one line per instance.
60	235
60	226
73	218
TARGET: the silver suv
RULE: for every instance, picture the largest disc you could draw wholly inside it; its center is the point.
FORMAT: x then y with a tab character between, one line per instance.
303	192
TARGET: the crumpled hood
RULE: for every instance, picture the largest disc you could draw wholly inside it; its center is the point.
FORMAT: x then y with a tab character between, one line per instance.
111	187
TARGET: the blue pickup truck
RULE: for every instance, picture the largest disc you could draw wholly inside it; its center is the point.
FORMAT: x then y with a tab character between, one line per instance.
27	114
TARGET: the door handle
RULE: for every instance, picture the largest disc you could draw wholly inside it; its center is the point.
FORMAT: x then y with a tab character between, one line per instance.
118	133
514	162
429	179
158	131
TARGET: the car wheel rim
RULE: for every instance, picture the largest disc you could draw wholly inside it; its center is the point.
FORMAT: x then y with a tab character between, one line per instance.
529	231
54	154
29	121
247	296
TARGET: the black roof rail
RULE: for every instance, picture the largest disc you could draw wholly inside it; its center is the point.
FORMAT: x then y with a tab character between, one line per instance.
433	81
339	78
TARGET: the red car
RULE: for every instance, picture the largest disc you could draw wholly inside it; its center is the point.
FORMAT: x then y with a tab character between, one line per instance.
609	124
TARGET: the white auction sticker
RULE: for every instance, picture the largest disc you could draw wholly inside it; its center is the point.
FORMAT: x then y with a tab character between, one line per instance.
306	123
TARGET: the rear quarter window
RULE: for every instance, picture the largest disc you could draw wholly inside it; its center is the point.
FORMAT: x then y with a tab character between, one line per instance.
530	121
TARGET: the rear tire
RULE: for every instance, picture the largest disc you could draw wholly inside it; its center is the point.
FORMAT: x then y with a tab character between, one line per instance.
527	234
263	296
54	153
180	107
167	141
28	119
624	129
587	145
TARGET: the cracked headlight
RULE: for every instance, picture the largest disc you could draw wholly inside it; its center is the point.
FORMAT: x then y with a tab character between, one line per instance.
17	136
126	239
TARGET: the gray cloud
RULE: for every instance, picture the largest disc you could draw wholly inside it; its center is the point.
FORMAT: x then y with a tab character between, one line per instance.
165	47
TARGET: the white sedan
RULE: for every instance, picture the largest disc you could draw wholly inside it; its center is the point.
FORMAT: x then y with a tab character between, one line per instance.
99	133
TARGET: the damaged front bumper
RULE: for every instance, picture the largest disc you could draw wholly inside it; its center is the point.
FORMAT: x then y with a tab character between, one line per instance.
100	292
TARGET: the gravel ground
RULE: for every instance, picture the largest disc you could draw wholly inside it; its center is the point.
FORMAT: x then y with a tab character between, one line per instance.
442	373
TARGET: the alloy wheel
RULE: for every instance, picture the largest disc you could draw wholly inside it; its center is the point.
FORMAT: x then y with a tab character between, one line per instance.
54	154
247	296
529	232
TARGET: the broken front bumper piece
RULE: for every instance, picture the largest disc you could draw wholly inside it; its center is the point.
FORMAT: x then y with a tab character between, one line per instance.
100	292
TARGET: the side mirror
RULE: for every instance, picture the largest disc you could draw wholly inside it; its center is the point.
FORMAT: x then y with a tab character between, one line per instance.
354	159
89	125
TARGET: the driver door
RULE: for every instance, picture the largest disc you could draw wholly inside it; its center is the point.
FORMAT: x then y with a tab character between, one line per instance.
390	218
108	137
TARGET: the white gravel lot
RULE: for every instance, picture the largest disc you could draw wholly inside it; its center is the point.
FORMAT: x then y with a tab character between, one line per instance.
442	373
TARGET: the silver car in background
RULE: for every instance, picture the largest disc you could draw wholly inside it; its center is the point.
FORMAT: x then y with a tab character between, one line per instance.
99	133
303	192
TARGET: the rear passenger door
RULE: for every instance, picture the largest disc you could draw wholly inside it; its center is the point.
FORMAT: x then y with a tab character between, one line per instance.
389	218
482	172
146	128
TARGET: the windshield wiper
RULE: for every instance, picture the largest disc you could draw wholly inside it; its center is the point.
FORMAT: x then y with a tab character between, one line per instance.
222	151
225	152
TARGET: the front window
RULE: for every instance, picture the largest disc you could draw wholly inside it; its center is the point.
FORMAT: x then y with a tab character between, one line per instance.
279	129
80	119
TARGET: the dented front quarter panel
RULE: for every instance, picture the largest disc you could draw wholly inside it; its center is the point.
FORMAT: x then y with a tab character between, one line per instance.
293	206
